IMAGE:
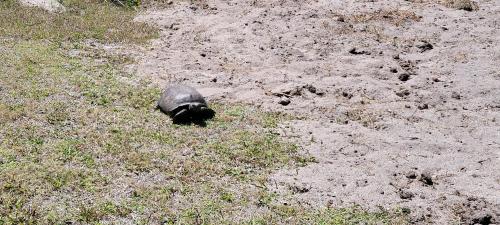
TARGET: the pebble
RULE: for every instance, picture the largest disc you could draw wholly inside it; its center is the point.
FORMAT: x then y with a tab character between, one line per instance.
425	46
311	88
355	51
347	95
290	89
284	101
411	175
303	188
405	194
426	178
403	93
404	77
423	106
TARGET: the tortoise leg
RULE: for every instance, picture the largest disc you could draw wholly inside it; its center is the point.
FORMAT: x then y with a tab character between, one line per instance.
181	117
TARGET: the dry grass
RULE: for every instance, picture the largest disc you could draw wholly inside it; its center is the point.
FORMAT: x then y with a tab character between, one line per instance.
395	17
363	116
79	145
466	5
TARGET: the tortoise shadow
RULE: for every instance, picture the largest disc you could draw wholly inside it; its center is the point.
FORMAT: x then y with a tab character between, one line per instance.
198	119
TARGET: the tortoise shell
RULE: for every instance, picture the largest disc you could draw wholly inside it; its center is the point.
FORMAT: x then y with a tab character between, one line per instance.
176	97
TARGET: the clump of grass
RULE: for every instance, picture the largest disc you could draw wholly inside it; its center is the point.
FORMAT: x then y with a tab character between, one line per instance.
467	5
79	145
363	116
395	17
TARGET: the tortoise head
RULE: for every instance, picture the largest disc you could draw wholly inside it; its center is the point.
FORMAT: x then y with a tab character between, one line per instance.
196	107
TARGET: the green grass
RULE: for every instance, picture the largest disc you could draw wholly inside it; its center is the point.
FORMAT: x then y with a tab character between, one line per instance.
85	19
79	144
353	215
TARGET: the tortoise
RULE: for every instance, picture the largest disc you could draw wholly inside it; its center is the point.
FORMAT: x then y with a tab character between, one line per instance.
184	104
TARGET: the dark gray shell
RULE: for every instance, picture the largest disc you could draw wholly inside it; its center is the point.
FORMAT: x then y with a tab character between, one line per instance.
177	96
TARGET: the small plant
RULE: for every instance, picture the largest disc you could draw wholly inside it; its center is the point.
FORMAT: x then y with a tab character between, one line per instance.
466	5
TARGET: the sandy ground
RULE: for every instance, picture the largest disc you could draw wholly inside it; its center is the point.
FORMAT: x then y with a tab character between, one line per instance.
399	100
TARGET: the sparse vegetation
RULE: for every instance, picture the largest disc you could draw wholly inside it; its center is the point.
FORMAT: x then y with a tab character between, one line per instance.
395	17
86	19
80	145
466	5
365	117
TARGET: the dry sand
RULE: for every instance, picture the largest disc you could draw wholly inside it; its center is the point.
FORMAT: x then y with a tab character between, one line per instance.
400	100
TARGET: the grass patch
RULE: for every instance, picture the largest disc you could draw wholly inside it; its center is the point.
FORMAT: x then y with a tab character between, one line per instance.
80	145
353	215
467	5
395	17
84	19
64	147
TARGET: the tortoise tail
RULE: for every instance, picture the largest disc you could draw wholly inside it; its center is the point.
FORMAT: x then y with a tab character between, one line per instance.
157	107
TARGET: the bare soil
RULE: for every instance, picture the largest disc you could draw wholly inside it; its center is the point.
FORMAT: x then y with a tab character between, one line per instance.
398	100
